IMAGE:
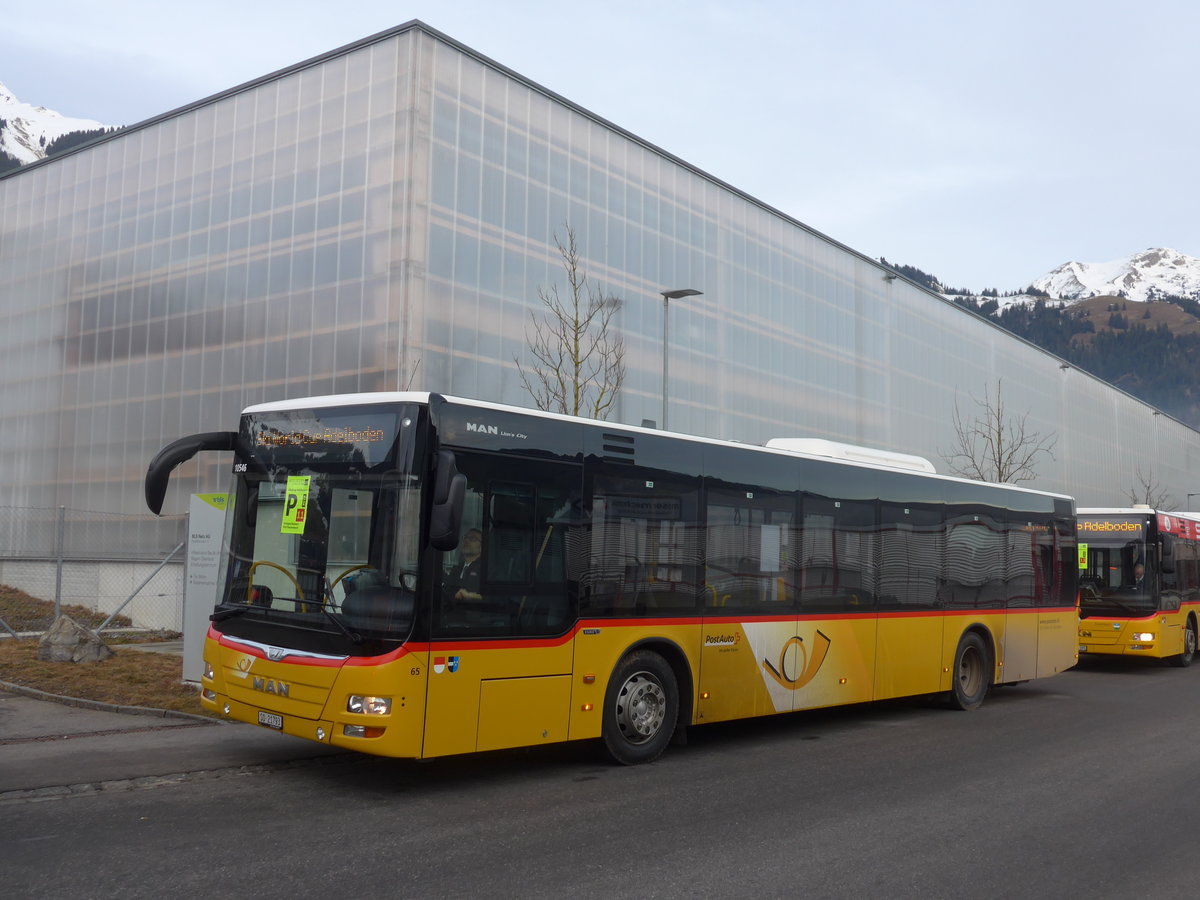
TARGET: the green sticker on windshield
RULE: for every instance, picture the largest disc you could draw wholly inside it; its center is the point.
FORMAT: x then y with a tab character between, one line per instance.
1083	556
295	506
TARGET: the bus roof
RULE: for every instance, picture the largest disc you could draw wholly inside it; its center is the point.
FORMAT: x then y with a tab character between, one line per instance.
811	448
339	400
852	453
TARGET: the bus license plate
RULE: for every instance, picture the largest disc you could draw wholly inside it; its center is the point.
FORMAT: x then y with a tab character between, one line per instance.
271	720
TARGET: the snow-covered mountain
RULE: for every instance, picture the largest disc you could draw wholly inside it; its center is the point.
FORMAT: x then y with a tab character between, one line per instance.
1144	276
1153	274
25	130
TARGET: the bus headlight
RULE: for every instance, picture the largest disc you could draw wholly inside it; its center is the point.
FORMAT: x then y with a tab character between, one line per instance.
208	671
1142	636
369	706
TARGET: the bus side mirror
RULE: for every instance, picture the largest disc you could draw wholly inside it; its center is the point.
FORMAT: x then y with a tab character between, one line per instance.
449	492
1168	554
176	453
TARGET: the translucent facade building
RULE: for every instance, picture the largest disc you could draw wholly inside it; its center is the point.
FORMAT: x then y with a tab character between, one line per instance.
383	216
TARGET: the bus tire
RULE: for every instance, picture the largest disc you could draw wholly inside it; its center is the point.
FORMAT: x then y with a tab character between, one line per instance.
641	707
1184	659
970	678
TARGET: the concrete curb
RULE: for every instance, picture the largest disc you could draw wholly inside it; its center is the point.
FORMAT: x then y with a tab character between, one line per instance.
35	694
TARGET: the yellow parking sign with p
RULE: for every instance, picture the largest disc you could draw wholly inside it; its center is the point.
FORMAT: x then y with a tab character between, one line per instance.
295	505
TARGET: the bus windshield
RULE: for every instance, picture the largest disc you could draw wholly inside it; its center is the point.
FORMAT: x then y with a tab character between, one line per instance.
323	534
1116	575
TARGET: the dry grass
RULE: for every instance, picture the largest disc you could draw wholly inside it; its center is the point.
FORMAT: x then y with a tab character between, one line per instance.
1137	315
23	612
129	678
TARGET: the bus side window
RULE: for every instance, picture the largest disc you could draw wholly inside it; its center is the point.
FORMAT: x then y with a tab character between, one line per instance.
509	534
646	542
911	539
749	540
526	512
839	547
1185	567
976	561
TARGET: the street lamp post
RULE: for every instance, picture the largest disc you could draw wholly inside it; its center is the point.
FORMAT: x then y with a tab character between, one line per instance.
1190	496
668	296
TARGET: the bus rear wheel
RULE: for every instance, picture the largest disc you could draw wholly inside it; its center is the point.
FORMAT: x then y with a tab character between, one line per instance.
970	677
641	707
1184	659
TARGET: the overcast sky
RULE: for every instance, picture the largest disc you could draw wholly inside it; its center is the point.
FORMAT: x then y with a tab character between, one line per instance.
985	143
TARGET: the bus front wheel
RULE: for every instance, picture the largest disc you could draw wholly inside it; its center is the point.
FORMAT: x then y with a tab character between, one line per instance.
970	677
1185	658
641	706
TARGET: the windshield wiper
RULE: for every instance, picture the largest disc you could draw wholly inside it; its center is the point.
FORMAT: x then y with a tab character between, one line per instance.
228	613
327	608
355	637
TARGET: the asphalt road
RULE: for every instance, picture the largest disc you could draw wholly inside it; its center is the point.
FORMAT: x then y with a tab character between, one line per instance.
1080	785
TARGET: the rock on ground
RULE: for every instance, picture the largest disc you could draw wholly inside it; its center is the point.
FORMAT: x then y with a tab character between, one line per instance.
68	641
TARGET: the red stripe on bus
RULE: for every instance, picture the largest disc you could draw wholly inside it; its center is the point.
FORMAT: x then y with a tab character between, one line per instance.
559	640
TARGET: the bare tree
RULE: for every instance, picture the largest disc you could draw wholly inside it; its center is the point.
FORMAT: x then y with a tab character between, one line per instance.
578	357
996	445
1150	492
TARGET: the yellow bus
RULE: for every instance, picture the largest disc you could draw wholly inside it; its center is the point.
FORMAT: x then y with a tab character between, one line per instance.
1139	584
417	575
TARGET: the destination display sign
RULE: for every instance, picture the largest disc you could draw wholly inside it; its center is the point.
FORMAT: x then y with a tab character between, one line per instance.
1102	529
318	437
362	436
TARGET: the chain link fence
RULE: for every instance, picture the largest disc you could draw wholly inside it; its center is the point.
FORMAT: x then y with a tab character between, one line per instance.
109	571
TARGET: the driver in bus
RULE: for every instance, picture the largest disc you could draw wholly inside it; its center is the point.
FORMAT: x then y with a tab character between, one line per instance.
463	580
1139	572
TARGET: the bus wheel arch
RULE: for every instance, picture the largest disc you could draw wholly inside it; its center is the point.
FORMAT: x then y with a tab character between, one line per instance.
1184	659
642	703
971	674
678	661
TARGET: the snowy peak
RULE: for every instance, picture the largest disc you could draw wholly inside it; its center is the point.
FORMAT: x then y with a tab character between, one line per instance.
1149	275
25	130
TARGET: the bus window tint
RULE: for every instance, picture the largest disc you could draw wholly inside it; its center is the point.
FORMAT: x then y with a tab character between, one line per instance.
508	539
527	514
975	561
911	543
1047	576
837	557
1023	563
1184	575
645	547
750	545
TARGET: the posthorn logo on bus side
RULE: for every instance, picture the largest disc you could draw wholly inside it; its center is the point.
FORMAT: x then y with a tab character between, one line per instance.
809	665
